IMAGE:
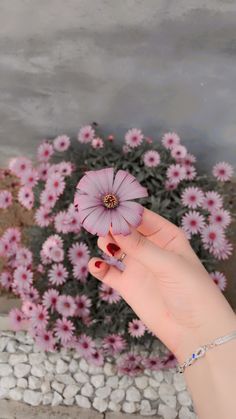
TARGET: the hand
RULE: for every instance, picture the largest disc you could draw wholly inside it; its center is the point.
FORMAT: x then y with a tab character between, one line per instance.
166	285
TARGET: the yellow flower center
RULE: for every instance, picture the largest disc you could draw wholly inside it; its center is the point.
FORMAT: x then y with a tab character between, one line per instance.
110	201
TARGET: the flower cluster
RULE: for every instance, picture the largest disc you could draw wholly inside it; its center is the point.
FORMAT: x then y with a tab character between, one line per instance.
62	305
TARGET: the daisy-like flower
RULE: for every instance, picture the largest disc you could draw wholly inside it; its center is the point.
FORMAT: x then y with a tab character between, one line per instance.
17	319
80	271
152	363
191	173
212	236
193	222
4	248
86	134
97	143
170	185
113	344
134	137
57	274
192	197
188	160
20	165
27	308
78	252
220	217
136	328
45	151
23	277
151	158
57	254
66	305
220	279
108	294
175	173
73	220
43	170
39	317
48	198
50	299
30	293
5	199
223	251
6	280
170	140
212	201
43	217
24	256
85	345
178	152
83	304
45	340
26	197
64	330
13	236
130	364
126	149
61	143
61	222
52	242
29	178
65	168
55	183
223	171
96	357
103	200
169	361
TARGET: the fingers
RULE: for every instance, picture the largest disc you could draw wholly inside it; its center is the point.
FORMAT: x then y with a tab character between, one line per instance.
105	273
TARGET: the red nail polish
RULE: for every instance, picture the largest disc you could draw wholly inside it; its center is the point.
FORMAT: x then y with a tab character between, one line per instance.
98	263
112	248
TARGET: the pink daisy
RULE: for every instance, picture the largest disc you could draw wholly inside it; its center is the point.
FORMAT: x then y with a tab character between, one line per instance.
73	220
192	197
23	277
220	279
48	198
223	251
220	217
17	319
97	143
20	165
212	201
130	364
50	299
191	173
148	140
39	317
85	345
57	274
55	183
188	160
86	134
30	293
103	200
96	357
57	254
113	344
83	304
65	168
6	280
134	137
108	294
4	248
45	260
152	363
45	340
24	256
170	140
193	222
66	305
13	236
136	328
52	248
80	271
170	185
61	222
64	330
5	199
212	236
178	152
175	173
29	178
43	170
126	149
61	143
169	361
223	171
151	158
43	217
78	252
26	197
45	151
28	308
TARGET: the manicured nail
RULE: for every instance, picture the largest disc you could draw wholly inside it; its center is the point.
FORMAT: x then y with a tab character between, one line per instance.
112	248
98	263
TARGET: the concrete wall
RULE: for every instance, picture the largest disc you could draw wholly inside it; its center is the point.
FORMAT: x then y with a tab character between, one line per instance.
157	64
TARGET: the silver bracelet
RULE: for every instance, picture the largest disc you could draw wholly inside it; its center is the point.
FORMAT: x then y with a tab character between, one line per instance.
201	351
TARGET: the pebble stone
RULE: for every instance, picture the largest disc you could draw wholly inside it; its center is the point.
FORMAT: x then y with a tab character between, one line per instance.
185	413
184	399
22	383
98	380
100	404
47	398
141	382
115	407
65	379
36	359
34	383
16	394
112	382
38	371
45	387
69	402
5	370
87	390
133	395
179	382
21	370
59	387
70	391
73	367
57	399
61	366
83	365
81	377
49	366
150	393
167	412
125	382
8	382
146	408
83	401
117	395
4	356
31	397
103	392
17	359
129	407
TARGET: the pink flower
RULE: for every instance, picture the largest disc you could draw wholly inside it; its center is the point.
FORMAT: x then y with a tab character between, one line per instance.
78	252
113	344
23	277
97	143
24	257
80	271
85	345
192	197
20	165
66	305
6	280
136	328
52	248
45	151
134	137
57	254
103	201
65	168
29	178
61	143
40	317
43	217
57	274
188	160
178	152
55	183
212	201
73	220
27	308
151	158
108	294
169	361
83	304
30	293
64	330
45	340
152	363
5	199
191	173
193	222
175	173
223	171
170	185
86	134
13	236
126	149
48	198
50	299
223	251
170	140
26	197
220	279
130	364
96	357
17	319
212	236
43	170
220	217
61	222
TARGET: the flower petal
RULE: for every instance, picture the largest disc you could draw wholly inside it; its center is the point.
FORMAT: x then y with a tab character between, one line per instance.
103	179
87	202
132	212
118	223
98	221
127	187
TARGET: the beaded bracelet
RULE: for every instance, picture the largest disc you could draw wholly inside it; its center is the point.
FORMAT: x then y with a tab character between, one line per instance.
201	351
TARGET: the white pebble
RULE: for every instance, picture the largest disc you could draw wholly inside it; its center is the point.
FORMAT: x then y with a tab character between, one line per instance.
87	390
38	371
141	382
69	402
59	387
166	389
31	397
3	393
83	365
53	357
4	356
133	395
70	391
34	383
150	393
5	370
166	412
21	370
61	367
3	343
169	400
73	367
179	382
46	387
112	382
185	413
115	407
109	369
11	346
65	379
100	404
25	348
38	358
49	366
97	380
129	407
153	383
168	376
17	359
22	383
81	377
57	399
8	382
184	398
146	408
117	395
158	376
103	392
47	398
125	382
83	401
16	394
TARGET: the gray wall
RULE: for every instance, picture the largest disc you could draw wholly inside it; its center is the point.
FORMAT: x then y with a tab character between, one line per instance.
157	64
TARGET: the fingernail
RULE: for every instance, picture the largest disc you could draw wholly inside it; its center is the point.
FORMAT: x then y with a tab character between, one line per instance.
98	263
112	248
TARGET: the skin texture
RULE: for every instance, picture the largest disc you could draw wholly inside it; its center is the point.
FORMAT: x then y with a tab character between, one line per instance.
172	293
